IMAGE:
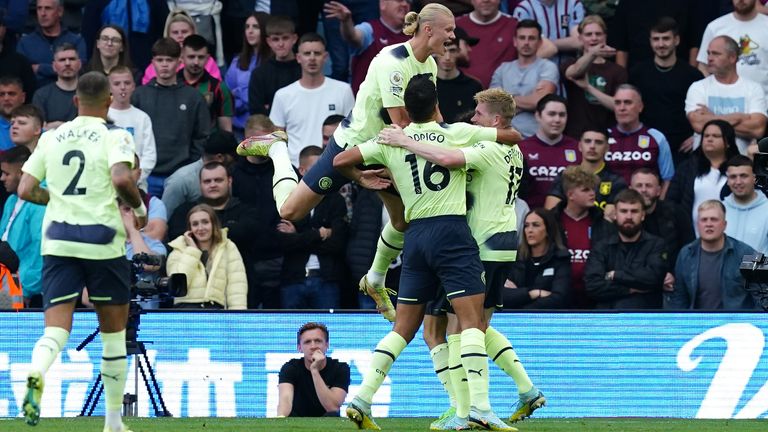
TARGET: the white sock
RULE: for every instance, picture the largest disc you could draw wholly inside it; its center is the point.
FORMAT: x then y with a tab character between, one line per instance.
375	278
279	148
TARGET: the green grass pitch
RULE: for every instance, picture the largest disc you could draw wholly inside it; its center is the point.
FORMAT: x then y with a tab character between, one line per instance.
388	424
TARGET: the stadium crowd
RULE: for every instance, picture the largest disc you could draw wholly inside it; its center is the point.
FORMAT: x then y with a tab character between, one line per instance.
639	118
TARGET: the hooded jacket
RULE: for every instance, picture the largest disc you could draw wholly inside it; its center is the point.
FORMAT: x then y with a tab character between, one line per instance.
748	222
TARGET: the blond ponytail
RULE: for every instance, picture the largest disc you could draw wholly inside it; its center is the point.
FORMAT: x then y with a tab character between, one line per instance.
411	23
428	14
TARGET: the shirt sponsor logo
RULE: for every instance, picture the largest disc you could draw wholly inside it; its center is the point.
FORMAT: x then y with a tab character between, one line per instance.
545	171
628	156
331	107
644	141
533	156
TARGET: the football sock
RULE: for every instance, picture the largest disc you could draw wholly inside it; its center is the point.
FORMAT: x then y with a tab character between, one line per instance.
501	352
384	355
458	376
284	180
113	374
475	362
439	356
47	348
387	249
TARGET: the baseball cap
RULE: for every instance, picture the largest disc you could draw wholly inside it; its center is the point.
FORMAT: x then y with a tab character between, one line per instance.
461	34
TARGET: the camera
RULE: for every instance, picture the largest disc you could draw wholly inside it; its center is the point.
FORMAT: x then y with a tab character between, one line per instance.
151	291
754	268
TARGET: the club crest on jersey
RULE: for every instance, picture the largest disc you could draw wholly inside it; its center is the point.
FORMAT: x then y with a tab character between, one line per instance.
570	155
396	78
605	188
644	141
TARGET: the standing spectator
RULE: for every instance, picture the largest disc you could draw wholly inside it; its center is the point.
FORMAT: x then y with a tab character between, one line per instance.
749	28
14	17
111	50
300	108
528	78
213	266
559	20
277	72
592	79
26	126
134	120
626	270
11	97
38	47
178	108
746	209
14	64
541	276
455	90
496	34
727	96
707	272
194	56
664	80
548	152
255	50
368	38
22	226
56	99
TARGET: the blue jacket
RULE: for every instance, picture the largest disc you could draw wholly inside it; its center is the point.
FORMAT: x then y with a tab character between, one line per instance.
39	51
24	237
735	297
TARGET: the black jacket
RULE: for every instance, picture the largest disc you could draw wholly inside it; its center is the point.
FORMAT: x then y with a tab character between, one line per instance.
641	265
553	274
269	77
364	230
673	225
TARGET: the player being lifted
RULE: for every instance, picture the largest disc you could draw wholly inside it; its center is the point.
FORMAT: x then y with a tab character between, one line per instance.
379	102
87	166
435	205
492	188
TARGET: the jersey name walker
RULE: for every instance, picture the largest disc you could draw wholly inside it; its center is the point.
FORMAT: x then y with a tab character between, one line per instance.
384	86
82	219
544	162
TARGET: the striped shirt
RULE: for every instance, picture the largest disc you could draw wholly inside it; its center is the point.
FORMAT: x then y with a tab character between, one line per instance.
556	19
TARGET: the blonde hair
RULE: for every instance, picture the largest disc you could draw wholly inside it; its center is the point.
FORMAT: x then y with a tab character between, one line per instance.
178	15
592	19
575	176
259	122
216	235
428	14
712	204
499	102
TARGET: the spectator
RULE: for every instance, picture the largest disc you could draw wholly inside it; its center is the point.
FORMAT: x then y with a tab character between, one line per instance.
13	20
300	108
727	96
178	26
592	79
111	50
702	176
206	15
16	65
541	276
749	28
137	241
559	20
368	38
495	32
26	126
278	71
194	56
180	109
184	184
593	146
746	209
134	120
213	266
157	215
314	385
634	145
314	252
548	152
56	99
255	50
626	270
329	126
39	46
22	226
11	97
528	78
664	80
707	272
455	90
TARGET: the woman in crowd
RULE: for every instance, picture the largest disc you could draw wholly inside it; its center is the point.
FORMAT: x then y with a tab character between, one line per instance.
542	273
111	50
702	176
255	49
213	266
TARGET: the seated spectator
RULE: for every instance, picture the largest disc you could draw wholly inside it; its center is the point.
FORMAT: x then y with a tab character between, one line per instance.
56	99
278	71
746	209
194	55
626	270
707	272
111	50
38	47
22	227
314	385
313	266
213	266
541	275
702	176
138	242
26	126
455	90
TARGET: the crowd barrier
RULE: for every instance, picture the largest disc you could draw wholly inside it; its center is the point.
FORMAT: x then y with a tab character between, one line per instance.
688	365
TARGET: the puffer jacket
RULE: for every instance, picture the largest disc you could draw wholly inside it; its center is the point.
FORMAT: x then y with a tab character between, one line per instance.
226	284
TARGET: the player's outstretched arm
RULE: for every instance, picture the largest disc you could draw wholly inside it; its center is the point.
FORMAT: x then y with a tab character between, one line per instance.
449	158
30	190
508	136
127	191
346	162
